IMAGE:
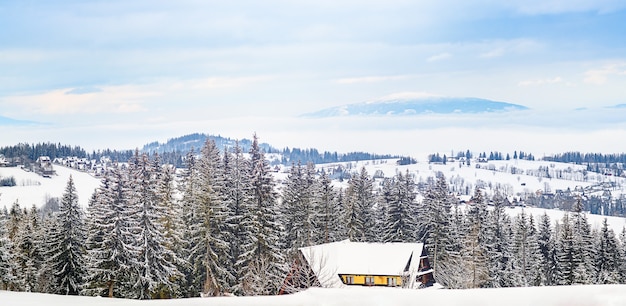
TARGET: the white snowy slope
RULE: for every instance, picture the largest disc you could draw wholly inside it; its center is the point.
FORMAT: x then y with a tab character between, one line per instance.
591	295
34	189
498	174
492	174
615	223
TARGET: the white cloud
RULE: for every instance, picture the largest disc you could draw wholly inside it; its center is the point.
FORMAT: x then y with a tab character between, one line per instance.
601	75
407	95
112	99
371	79
537	82
493	53
501	48
439	57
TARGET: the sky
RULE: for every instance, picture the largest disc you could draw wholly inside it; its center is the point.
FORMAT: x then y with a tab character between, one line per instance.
119	74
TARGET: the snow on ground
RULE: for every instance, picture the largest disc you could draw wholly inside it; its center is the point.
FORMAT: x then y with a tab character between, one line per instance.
34	189
499	173
588	295
616	223
491	174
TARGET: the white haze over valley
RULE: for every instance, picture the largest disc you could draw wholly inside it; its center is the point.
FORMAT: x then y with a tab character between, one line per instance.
537	132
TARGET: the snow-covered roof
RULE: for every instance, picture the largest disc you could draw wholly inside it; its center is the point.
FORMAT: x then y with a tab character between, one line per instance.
360	258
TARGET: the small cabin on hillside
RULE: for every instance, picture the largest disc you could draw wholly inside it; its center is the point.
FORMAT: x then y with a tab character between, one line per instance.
345	263
3	161
44	166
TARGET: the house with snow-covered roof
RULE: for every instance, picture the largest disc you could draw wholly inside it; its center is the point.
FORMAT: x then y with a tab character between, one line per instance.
345	263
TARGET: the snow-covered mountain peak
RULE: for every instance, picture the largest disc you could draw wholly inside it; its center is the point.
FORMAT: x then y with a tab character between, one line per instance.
404	105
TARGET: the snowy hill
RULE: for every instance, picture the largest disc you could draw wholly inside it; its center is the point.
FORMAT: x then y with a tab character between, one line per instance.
416	106
517	179
34	189
589	295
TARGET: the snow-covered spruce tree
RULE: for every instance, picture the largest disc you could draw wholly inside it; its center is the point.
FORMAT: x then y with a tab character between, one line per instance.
454	268
622	255
187	187
210	253
154	272
608	259
237	197
28	256
500	258
7	261
49	229
475	244
584	251
565	258
359	203
298	209
111	245
526	250
385	197
546	245
67	245
172	222
434	225
264	265
15	219
400	224
328	220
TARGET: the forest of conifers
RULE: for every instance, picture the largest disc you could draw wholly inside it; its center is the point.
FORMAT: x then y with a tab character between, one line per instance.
221	226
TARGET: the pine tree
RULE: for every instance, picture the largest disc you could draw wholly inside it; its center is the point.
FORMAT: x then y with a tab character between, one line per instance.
526	250
28	256
210	253
475	244
400	222
328	221
263	260
111	247
297	210
584	252
50	230
155	270
565	257
608	260
172	222
188	187
546	244
68	245
454	270
622	256
360	223
501	262
237	197
7	261
434	228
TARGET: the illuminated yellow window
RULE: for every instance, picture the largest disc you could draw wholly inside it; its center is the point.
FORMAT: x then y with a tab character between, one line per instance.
349	280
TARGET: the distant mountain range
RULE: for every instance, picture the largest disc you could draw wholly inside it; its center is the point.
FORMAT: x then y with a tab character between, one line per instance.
418	106
196	141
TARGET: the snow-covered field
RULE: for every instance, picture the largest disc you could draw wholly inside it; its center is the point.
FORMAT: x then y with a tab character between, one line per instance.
616	223
494	173
34	189
590	295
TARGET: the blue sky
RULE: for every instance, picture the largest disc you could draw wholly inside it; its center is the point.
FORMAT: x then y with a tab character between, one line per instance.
123	73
